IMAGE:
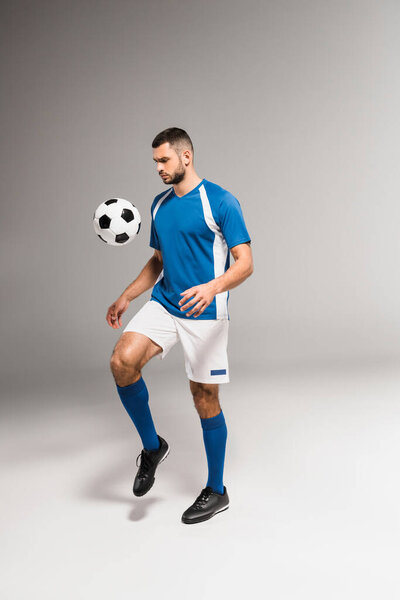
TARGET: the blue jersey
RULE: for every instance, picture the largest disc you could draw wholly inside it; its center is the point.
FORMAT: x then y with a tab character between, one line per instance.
194	233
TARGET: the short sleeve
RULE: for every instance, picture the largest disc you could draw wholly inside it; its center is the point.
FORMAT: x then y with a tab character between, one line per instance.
231	222
154	242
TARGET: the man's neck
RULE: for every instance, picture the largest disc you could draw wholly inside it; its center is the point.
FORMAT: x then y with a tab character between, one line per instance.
187	184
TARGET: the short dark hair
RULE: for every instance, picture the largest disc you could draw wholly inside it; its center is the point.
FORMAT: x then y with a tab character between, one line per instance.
176	137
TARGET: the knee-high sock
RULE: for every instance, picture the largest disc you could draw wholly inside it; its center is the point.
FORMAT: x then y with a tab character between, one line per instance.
135	398
214	436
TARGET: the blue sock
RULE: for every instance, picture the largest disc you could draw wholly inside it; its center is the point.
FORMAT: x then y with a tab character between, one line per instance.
214	436
135	398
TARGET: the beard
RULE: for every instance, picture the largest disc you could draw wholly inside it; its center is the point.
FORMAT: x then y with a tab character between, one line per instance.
178	175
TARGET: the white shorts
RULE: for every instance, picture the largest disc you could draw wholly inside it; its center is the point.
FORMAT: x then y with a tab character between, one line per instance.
204	342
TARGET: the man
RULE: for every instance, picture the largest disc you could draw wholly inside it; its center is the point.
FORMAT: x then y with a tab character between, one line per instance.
193	226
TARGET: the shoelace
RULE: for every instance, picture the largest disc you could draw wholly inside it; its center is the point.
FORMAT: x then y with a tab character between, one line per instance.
203	497
145	463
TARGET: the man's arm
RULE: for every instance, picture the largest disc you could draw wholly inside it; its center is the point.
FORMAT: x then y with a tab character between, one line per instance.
202	295
146	278
241	269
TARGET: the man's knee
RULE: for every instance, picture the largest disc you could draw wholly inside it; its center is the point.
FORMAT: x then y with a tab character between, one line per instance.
132	351
204	394
121	362
203	388
124	357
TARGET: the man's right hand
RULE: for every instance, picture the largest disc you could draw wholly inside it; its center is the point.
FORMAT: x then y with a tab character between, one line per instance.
115	311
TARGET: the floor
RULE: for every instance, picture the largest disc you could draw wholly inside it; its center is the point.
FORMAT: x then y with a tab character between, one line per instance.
312	471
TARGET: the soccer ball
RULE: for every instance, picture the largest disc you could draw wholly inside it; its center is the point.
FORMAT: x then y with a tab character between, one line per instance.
116	221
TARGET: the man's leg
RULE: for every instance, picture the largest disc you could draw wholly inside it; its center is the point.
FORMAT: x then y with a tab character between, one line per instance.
132	351
214	498
206	400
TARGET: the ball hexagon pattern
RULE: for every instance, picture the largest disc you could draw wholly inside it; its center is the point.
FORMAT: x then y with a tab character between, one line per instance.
116	221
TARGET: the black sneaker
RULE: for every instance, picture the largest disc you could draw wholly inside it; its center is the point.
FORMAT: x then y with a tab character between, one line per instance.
149	461
206	505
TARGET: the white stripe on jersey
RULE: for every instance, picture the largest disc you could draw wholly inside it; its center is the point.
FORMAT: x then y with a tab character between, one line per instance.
157	206
161	275
220	252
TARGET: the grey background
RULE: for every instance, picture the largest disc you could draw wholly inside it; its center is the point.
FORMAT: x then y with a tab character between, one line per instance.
292	106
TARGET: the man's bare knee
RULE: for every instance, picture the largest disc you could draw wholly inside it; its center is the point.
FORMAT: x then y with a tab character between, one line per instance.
205	397
124	357
204	389
124	371
131	353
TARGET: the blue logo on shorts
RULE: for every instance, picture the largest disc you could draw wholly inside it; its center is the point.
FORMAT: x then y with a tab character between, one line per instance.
218	372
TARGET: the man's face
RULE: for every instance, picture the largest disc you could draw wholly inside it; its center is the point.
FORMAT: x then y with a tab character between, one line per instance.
169	165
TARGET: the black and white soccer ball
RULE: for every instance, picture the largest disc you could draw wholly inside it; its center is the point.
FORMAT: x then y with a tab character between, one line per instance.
117	221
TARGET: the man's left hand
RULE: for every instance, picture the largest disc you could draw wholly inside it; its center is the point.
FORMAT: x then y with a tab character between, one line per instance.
203	295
